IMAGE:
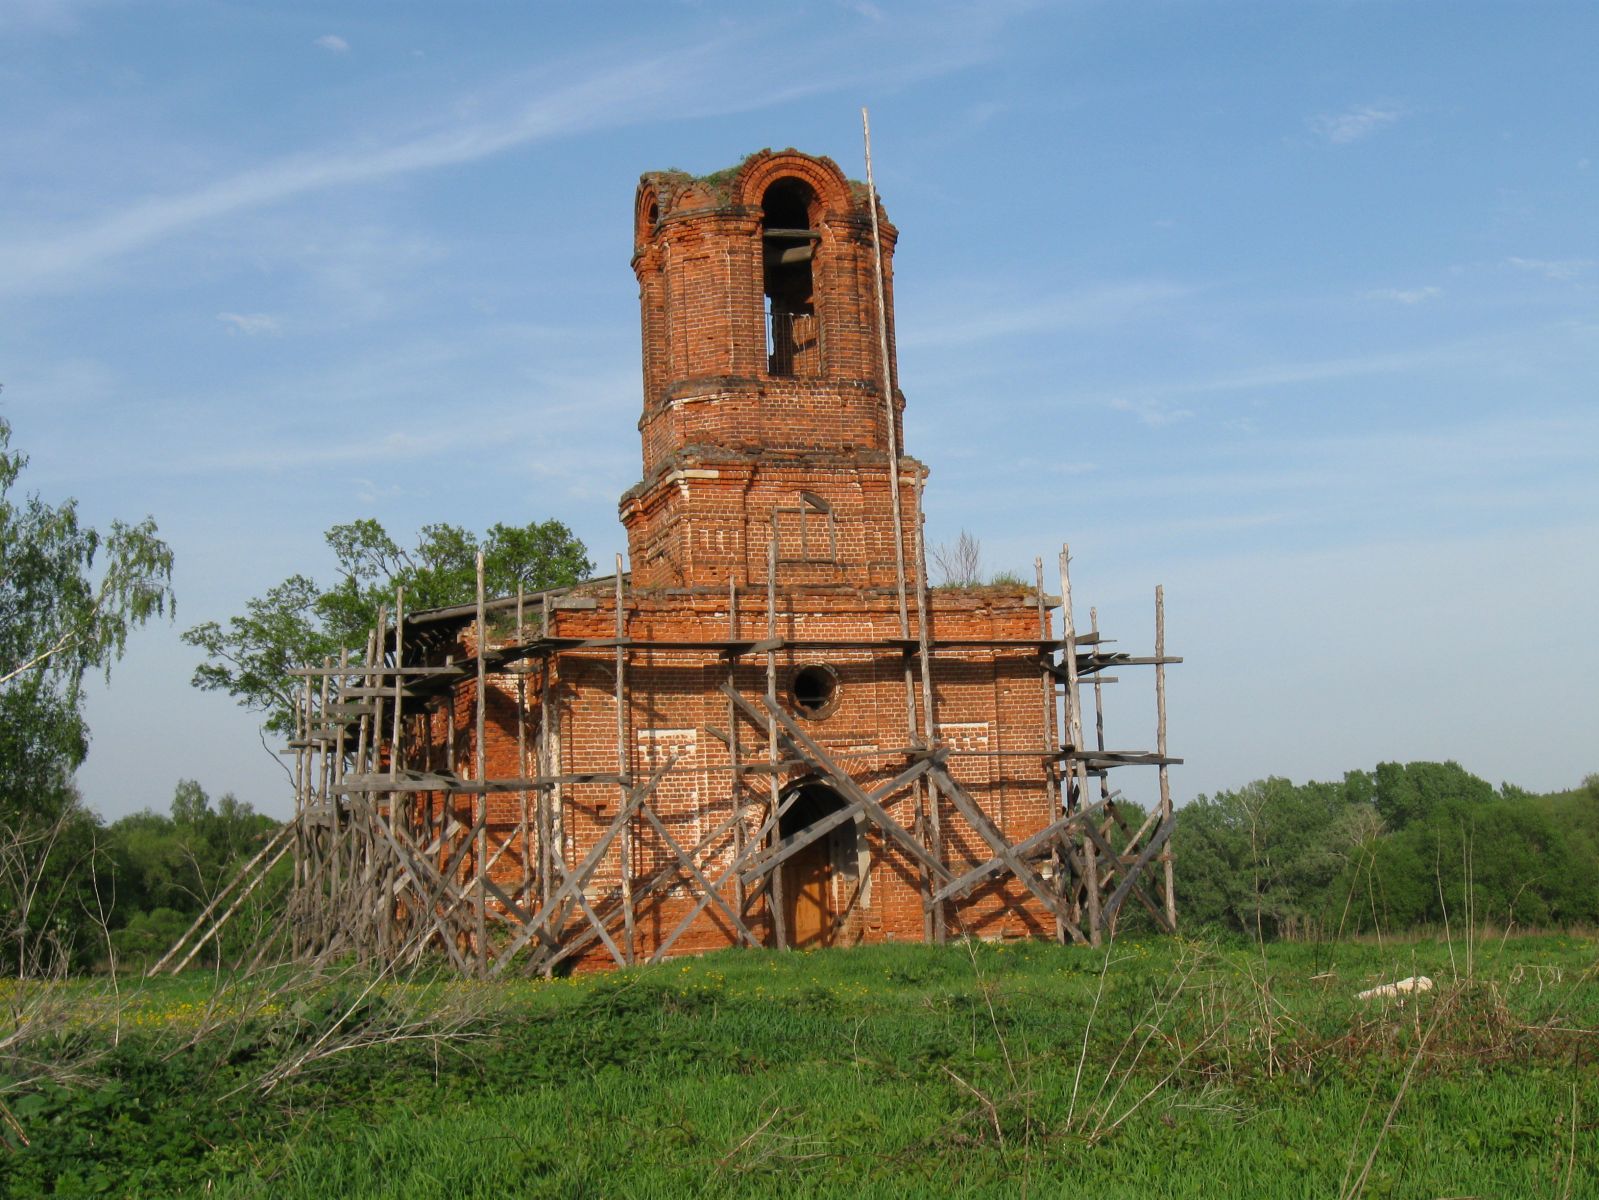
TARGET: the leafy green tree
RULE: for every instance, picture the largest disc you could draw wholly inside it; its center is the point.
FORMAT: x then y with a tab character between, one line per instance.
69	597
300	622
1406	792
166	868
1407	845
1263	858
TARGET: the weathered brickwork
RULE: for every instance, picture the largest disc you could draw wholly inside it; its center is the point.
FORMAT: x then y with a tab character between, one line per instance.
747	439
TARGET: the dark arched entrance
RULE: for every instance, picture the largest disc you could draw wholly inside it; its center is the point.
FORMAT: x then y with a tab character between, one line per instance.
811	903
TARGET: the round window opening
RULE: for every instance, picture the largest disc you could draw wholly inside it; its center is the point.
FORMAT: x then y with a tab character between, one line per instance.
815	690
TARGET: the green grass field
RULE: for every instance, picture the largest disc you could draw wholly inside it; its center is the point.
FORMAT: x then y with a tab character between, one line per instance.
1156	1069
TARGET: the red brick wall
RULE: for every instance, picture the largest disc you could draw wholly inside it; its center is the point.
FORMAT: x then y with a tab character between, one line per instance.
984	701
710	402
731	455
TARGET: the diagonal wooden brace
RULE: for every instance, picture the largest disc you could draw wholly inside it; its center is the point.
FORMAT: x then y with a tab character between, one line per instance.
751	848
990	833
1023	850
796	842
416	868
572	888
1130	882
707	888
801	745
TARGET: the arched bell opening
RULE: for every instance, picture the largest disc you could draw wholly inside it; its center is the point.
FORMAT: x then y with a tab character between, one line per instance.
788	279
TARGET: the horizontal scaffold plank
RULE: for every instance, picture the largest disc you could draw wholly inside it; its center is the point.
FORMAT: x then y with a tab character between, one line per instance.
416	781
1124	758
362	670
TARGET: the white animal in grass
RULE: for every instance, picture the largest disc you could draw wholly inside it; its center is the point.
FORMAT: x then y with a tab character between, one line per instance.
1389	991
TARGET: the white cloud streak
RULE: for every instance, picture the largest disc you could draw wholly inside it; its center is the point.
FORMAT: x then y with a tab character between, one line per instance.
250	324
643	89
1560	269
1355	124
1151	413
1083	308
1405	295
332	42
604	97
42	16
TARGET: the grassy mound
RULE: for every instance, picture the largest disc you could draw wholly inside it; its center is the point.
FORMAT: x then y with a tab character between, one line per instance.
1156	1069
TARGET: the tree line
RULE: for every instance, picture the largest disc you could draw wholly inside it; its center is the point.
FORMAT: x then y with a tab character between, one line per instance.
78	893
1405	846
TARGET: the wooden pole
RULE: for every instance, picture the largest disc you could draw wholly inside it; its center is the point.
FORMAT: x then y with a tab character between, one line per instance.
1054	794
398	822
327	866
1099	707
449	821
935	828
360	855
335	804
626	854
277	843
301	905
521	751
774	886
1074	710
379	890
737	786
930	923
547	799
1170	896
1115	815
888	381
216	926
480	805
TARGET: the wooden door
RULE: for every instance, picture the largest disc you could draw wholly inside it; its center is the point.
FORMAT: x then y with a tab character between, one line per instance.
808	895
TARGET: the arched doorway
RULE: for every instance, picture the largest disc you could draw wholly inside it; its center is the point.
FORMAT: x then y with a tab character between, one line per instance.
812	905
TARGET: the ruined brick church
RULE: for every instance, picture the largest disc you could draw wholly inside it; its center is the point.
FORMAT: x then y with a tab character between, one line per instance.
766	728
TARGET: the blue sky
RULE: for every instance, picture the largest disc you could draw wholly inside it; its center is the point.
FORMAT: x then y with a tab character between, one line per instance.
1293	308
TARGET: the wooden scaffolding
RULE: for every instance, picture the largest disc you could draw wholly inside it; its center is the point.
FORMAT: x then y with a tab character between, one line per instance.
379	876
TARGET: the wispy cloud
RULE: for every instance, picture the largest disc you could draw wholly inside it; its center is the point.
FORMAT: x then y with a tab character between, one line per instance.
1323	370
607	96
647	87
250	324
1162	403
1355	124
1560	269
42	16
1153	413
1405	295
867	9
332	42
1089	307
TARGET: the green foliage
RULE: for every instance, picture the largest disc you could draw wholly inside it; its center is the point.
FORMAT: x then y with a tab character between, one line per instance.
59	617
69	597
1405	846
148	935
300	622
1423	791
161	871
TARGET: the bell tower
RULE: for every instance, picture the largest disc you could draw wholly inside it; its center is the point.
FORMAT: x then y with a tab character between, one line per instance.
764	415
